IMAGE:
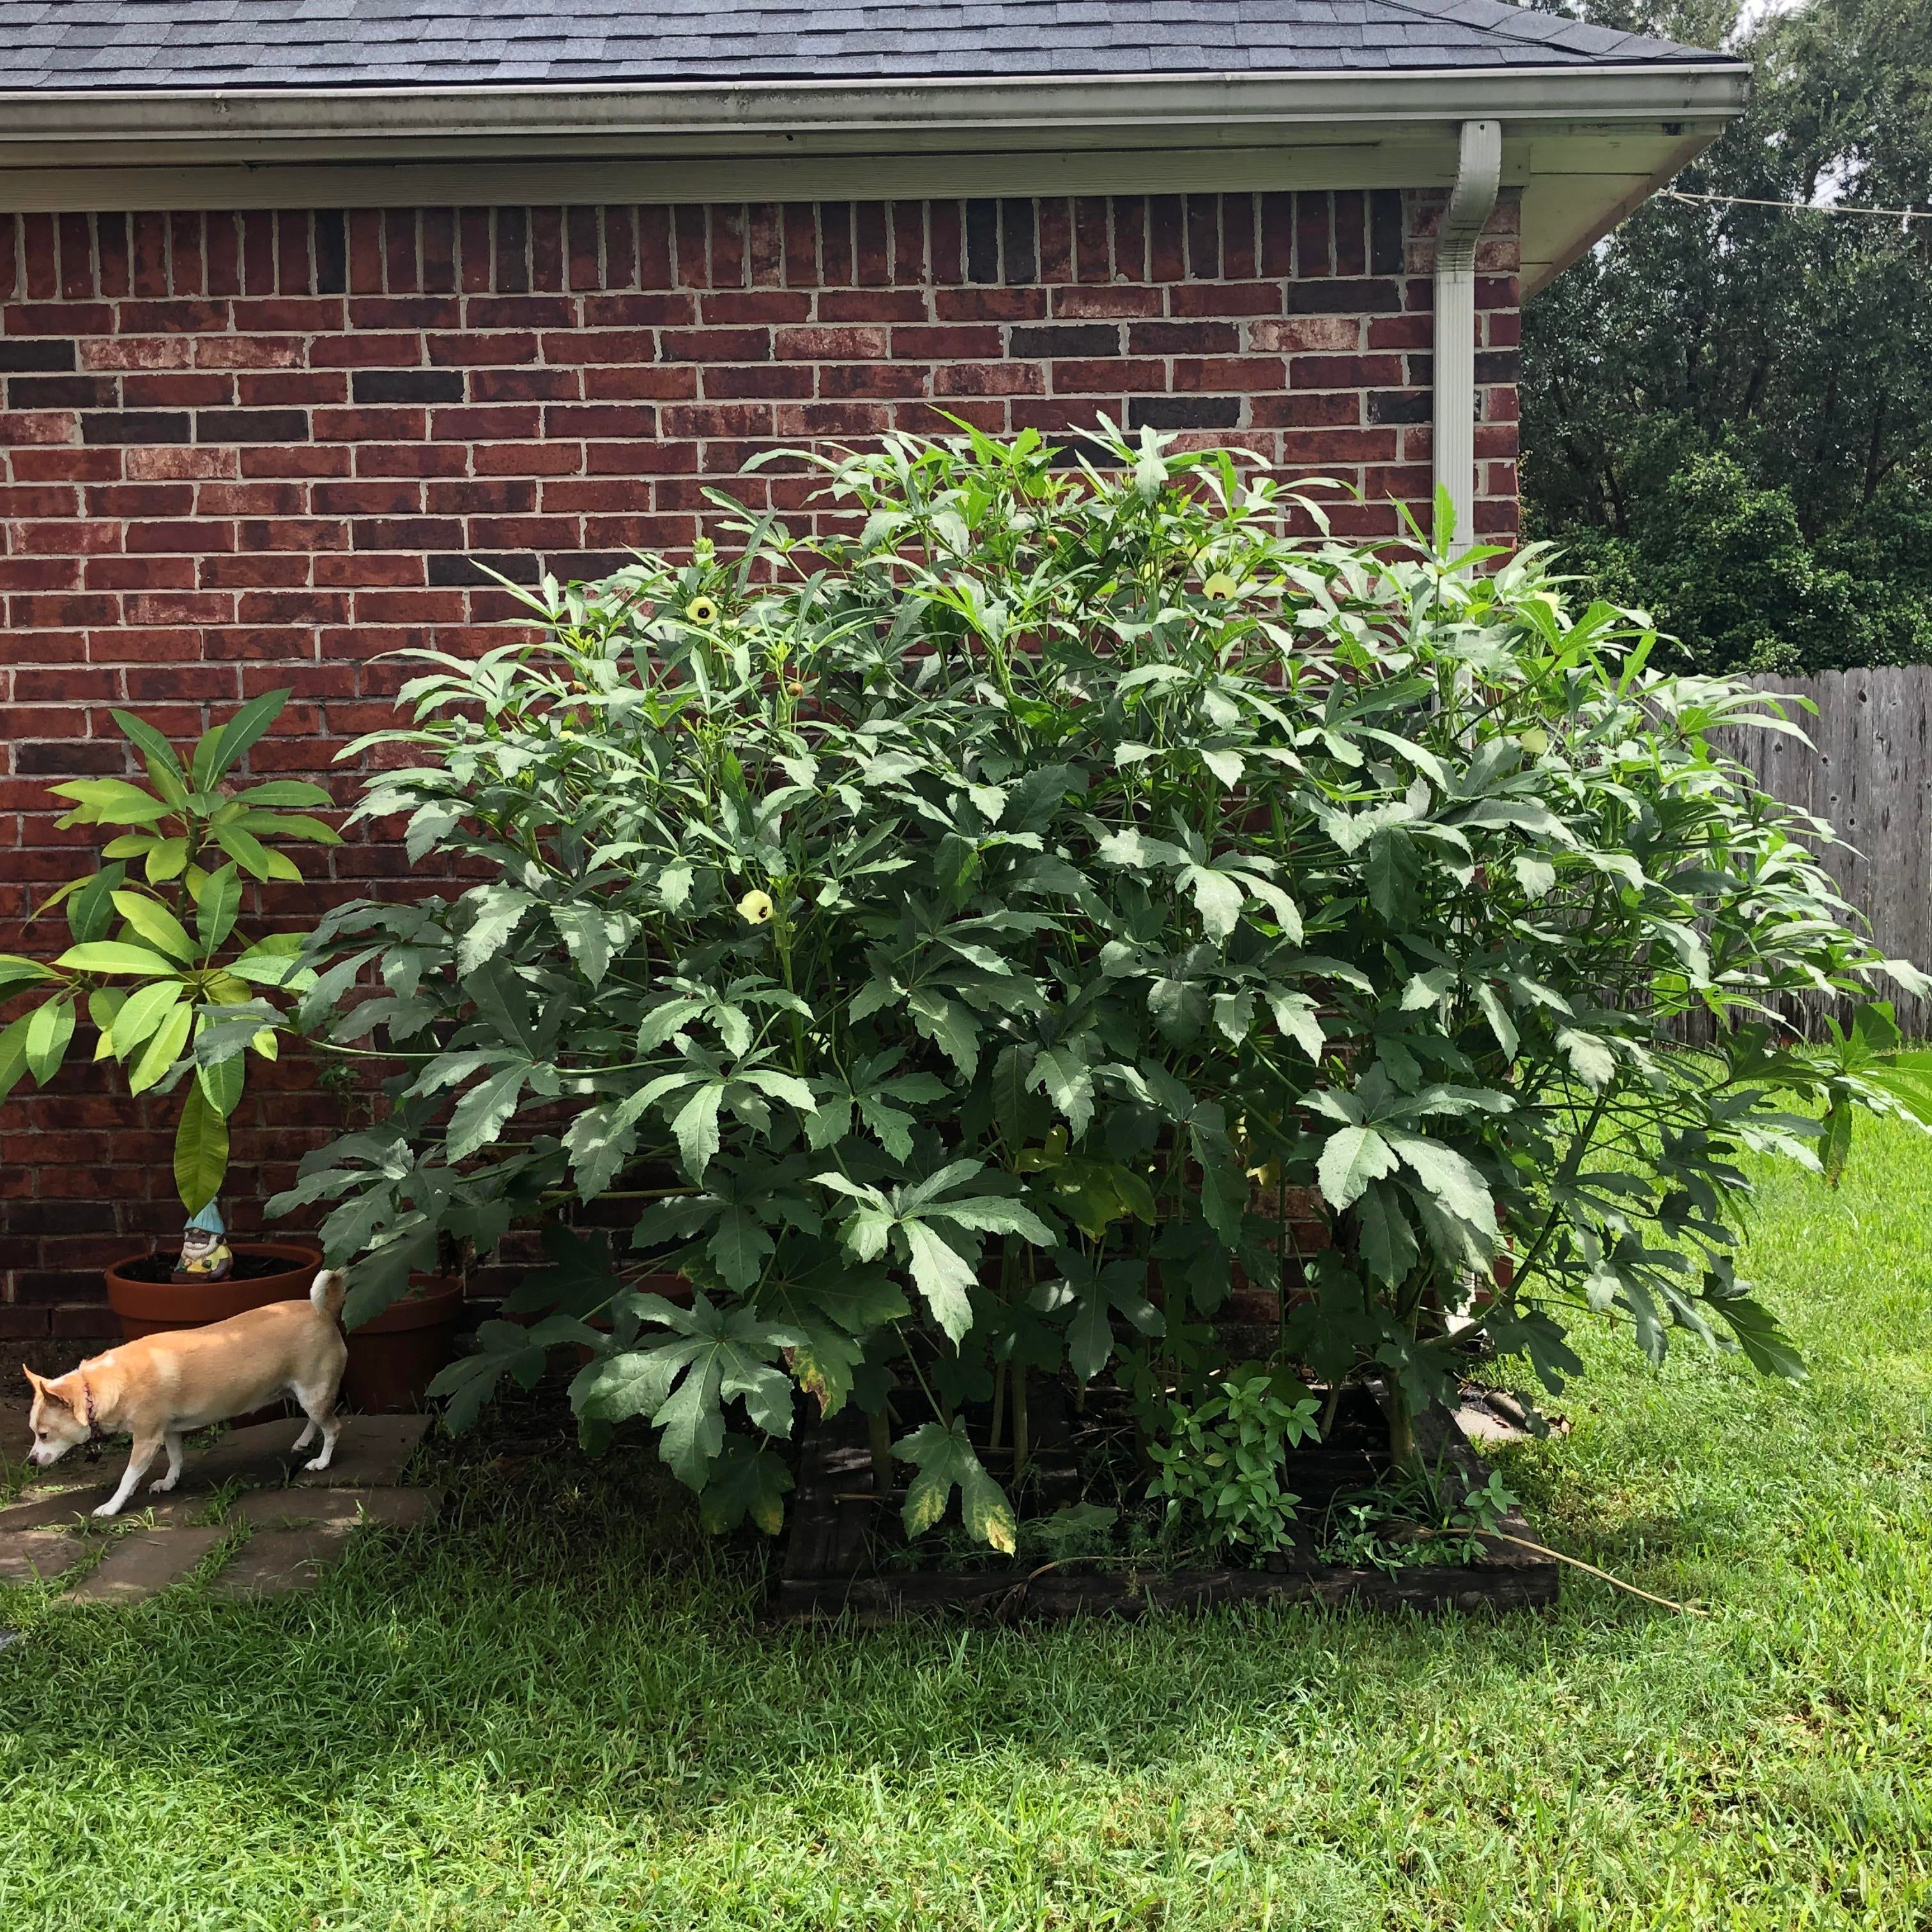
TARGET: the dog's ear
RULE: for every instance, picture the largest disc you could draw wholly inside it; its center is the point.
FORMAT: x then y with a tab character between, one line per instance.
38	1384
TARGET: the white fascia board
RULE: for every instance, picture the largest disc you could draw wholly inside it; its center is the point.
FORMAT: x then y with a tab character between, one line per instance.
467	120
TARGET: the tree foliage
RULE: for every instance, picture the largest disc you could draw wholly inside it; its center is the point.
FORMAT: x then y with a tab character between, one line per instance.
1727	409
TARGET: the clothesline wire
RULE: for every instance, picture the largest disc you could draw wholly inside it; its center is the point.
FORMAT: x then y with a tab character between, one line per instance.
1801	207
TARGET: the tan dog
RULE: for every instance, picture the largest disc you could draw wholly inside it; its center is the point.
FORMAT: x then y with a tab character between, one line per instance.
159	1388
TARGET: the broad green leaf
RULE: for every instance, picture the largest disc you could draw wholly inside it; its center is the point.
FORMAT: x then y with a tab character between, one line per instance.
1768	1348
738	1247
201	1148
948	1024
50	1028
141	1012
267	965
221	1082
745	1481
601	1140
1068	1081
1393	875
217	903
13	1054
695	1125
480	1116
891	1125
167	859
155	748
1218	898
942	1275
634	1383
110	801
1452	1178
222	746
467	1384
253	856
266	825
1296	1015
90	912
285	792
494	912
103	1008
582	931
114	955
1501	1024
1350	1160
155	924
944	1459
158	1057
1388	1244
1590	1057
16	971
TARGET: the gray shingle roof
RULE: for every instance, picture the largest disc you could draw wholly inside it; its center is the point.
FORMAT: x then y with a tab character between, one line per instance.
274	43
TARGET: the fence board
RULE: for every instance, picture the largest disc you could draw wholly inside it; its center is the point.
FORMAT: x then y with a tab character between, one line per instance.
1868	772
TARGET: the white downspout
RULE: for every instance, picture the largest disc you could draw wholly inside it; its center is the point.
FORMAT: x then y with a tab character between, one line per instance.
1478	173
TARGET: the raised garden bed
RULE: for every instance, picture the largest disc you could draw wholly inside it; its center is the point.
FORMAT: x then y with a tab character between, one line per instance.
848	1554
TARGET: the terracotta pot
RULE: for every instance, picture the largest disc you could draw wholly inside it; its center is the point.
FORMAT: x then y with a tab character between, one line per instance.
394	1356
149	1307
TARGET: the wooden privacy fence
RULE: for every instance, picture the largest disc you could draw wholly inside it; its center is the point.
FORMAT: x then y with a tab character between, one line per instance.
1871	776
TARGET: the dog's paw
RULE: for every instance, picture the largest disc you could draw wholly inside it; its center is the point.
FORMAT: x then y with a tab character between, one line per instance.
317	1462
161	1485
109	1509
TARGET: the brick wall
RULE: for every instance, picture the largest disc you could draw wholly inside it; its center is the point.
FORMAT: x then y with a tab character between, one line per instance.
250	450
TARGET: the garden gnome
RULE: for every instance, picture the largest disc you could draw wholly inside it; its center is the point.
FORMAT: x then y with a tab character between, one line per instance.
205	1255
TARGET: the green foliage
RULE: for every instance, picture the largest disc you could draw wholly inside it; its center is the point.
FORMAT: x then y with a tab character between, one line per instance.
926	936
1222	1462
177	995
1727	408
1422	1515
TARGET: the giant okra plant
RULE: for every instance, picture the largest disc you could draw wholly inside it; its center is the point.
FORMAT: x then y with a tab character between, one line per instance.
924	939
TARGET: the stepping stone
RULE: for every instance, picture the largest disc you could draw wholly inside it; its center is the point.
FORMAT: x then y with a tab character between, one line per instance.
391	1509
61	1507
370	1453
142	1562
35	1554
273	1561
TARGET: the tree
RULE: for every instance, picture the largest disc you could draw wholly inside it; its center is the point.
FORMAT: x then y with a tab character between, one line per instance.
1727	408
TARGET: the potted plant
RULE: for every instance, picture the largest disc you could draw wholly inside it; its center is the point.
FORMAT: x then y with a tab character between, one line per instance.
178	994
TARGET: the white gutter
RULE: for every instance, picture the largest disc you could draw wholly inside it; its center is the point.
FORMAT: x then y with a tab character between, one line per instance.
569	114
1478	175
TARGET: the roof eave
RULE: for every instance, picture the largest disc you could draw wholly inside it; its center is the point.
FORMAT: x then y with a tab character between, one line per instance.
365	119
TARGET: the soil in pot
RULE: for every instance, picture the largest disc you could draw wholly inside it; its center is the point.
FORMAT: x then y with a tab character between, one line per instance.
394	1356
147	1302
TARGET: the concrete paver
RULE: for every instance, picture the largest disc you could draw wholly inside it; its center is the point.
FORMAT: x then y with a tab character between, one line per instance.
143	1561
273	1561
39	1553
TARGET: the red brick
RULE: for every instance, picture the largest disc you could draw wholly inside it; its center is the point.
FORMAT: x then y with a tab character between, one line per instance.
177	576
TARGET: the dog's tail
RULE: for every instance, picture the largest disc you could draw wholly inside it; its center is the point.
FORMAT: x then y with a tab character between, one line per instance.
327	1290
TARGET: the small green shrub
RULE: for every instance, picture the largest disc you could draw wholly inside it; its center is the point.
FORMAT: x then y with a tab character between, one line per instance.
1222	1462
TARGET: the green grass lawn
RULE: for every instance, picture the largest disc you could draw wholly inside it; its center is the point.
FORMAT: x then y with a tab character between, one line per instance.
560	1709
